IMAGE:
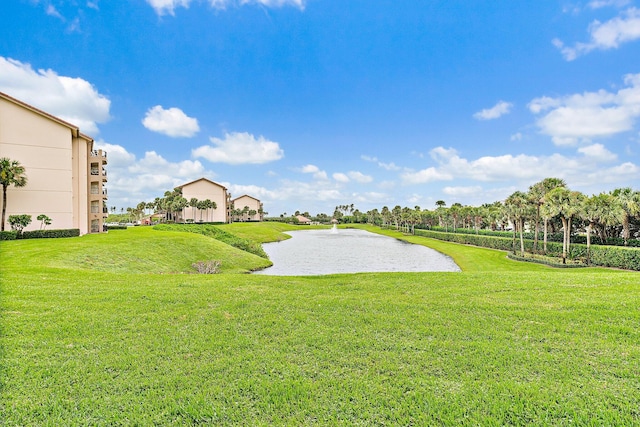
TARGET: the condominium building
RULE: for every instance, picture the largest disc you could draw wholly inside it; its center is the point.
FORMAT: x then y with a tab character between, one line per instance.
203	189
250	208
66	175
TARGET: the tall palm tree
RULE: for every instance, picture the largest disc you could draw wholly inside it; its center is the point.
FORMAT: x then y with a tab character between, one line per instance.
193	202
536	193
11	173
566	204
629	201
609	213
518	208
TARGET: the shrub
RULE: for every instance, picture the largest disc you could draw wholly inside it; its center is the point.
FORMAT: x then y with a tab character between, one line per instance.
8	235
627	258
50	234
19	222
207	267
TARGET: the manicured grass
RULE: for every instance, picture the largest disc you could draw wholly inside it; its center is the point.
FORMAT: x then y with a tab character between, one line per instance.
507	343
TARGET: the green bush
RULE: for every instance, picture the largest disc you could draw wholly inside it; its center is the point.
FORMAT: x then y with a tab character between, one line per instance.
8	235
627	258
50	234
116	227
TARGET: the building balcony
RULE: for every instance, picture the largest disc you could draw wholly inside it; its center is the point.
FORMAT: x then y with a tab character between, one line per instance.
102	155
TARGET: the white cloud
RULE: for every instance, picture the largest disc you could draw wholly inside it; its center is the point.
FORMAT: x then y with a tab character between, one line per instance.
74	100
360	177
341	177
597	4
52	11
168	7
516	137
516	168
172	122
604	36
425	175
387	166
314	170
462	191
239	148
163	7
495	112
598	152
581	117
133	180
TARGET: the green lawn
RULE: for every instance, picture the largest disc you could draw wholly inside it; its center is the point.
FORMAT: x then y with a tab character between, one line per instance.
112	330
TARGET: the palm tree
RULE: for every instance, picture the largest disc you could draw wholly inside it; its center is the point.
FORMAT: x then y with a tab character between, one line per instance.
518	208
537	192
590	212
11	173
609	213
565	203
194	204
629	201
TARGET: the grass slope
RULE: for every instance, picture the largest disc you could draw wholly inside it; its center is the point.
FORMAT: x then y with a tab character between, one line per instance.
520	345
135	250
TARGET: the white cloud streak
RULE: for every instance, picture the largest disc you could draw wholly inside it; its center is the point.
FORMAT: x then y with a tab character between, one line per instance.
74	100
495	112
605	35
168	7
239	148
172	122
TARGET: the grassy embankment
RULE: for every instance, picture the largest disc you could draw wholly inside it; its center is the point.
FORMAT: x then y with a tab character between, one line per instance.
105	330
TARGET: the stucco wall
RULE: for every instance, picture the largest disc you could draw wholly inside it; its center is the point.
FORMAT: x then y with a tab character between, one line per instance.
44	148
203	190
249	201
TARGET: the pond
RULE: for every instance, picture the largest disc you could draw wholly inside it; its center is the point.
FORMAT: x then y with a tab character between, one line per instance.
317	252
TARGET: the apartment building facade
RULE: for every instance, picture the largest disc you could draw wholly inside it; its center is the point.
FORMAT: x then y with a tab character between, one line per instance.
205	189
66	176
250	206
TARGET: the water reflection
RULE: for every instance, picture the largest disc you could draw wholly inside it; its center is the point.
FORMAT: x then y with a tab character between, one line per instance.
313	252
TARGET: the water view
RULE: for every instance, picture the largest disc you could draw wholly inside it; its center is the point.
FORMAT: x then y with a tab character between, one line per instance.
316	252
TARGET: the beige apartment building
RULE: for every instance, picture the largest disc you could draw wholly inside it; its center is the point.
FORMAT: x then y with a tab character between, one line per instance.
66	176
204	189
252	204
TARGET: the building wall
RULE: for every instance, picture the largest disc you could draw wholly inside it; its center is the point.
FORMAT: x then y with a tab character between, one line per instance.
202	190
252	203
55	164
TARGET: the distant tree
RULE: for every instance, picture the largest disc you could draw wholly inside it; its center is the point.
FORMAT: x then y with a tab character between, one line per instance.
566	204
536	193
629	201
11	173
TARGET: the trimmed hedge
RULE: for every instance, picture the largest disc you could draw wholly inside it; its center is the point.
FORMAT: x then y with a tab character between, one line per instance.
50	234
550	263
627	258
8	235
551	237
40	234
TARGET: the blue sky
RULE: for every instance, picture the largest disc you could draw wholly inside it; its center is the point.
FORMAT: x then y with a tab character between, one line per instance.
309	104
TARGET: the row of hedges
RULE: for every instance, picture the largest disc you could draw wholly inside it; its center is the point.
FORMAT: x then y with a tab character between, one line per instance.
40	234
551	237
218	234
604	256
